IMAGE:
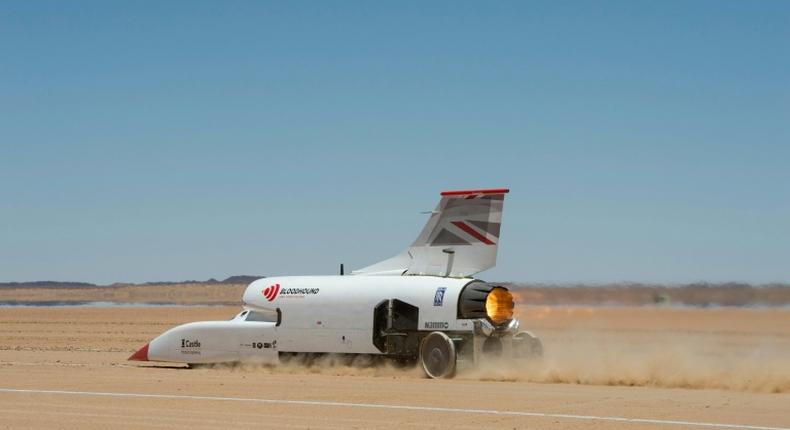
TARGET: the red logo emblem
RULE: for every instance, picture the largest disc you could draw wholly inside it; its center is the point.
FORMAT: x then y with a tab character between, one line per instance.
271	292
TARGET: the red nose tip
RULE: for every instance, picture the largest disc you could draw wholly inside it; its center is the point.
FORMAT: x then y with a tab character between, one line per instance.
141	354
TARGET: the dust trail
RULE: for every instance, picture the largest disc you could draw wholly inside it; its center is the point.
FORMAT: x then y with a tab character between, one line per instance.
659	360
728	349
330	364
590	358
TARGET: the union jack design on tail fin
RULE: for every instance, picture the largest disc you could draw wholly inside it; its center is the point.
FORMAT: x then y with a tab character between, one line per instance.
459	239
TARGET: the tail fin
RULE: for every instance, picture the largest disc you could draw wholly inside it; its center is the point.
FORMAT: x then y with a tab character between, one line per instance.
459	240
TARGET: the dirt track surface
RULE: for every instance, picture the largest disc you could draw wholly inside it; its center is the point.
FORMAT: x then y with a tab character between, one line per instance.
697	366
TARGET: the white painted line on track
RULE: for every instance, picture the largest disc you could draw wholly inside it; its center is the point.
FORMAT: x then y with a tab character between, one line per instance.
397	407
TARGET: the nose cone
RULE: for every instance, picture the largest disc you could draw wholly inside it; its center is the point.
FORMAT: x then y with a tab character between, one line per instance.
141	354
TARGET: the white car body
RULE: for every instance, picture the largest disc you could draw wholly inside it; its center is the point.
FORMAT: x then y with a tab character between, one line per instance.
389	308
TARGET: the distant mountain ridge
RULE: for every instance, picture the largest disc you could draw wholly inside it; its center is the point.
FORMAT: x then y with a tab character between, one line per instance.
231	280
227	291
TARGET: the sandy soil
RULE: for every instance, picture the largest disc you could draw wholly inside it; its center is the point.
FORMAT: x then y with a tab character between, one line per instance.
727	366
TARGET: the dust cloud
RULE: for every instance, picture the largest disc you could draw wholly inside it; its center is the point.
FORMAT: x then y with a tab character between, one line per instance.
727	349
590	358
329	364
696	362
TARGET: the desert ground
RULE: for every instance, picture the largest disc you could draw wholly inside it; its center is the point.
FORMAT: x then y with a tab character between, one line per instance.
605	367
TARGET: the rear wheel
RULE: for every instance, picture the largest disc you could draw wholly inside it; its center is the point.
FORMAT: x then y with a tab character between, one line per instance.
527	346
437	355
492	347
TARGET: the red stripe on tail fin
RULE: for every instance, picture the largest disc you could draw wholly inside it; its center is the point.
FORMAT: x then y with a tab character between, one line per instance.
468	192
472	232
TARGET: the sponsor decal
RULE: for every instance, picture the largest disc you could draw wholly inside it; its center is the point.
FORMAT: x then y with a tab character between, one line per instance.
260	345
273	291
438	298
434	325
296	292
186	343
190	347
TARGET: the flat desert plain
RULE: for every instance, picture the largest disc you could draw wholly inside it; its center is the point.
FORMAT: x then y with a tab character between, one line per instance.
65	367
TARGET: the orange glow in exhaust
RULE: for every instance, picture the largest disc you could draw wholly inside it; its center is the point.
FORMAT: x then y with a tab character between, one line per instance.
499	305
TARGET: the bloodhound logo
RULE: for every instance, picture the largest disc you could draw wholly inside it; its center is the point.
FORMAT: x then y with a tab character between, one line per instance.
271	292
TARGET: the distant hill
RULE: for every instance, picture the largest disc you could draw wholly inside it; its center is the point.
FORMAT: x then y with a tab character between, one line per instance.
46	284
236	279
614	294
241	279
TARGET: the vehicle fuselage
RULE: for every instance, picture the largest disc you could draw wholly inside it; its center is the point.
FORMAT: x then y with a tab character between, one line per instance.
320	314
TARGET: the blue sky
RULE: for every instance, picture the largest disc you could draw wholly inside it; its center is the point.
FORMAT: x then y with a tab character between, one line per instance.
642	141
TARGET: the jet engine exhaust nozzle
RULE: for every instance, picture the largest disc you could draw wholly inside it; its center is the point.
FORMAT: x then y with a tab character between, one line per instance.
482	300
